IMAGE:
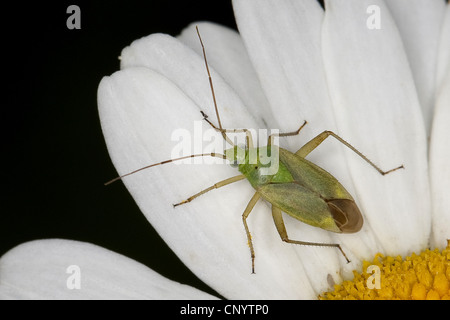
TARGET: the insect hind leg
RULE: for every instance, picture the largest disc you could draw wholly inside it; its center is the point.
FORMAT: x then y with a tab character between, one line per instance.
281	228
316	141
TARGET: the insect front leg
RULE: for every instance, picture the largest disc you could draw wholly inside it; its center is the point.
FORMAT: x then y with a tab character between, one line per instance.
215	186
315	142
281	228
245	215
286	134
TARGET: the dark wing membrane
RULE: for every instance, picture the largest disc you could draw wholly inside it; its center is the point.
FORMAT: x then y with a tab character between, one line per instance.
346	215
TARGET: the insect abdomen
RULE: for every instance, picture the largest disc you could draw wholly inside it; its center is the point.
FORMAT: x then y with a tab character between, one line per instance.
300	203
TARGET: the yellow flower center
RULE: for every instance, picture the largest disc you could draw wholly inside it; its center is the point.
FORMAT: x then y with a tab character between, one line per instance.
417	277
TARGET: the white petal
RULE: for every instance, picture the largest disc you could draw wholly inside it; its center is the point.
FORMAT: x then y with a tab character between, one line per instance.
171	58
440	167
140	110
443	61
227	55
47	269
419	23
284	43
439	150
372	90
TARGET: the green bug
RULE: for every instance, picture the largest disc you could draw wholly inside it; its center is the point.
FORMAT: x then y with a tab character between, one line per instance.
298	187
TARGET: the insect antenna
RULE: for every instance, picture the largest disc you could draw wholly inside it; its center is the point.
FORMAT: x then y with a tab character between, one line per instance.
223	131
213	154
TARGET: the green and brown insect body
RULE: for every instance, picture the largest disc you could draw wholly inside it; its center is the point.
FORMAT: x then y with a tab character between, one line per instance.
299	187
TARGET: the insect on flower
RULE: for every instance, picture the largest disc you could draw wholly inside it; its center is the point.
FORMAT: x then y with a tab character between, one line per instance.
297	187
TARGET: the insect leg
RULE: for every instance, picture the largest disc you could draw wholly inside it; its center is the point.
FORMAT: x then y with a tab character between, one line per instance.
281	228
245	215
215	186
315	142
286	134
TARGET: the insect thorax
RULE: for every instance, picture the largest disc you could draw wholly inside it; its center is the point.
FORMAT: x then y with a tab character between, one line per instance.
260	165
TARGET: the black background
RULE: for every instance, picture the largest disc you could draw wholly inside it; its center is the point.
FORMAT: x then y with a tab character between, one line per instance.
54	158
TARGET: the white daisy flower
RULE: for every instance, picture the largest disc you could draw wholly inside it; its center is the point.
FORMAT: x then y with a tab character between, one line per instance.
375	72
